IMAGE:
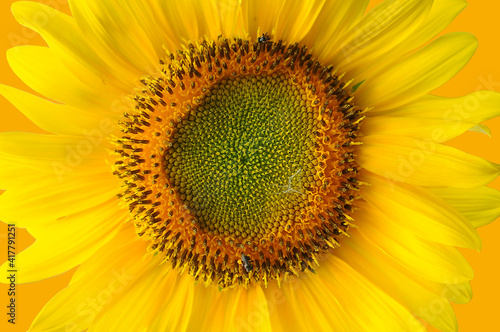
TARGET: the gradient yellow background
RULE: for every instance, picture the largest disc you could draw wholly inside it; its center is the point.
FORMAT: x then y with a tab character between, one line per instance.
480	18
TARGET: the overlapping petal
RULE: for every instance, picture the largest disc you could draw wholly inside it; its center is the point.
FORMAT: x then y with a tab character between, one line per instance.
160	302
334	20
419	211
432	261
418	73
439	17
480	206
43	72
375	310
296	19
113	269
115	33
59	118
216	311
377	33
232	20
67	242
62	175
436	130
424	163
260	15
435	118
417	294
71	48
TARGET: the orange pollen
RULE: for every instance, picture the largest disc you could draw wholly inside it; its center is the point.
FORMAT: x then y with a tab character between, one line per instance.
238	160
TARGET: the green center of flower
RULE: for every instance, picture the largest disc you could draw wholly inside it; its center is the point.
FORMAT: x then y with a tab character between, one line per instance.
238	161
242	157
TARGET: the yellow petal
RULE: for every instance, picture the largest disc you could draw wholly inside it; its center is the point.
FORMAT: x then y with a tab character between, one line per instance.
333	21
61	175
479	205
69	46
419	211
97	284
192	19
473	108
244	316
430	260
375	310
43	72
405	287
418	73
58	118
208	17
231	18
482	129
295	19
436	118
49	199
440	16
205	320
150	17
423	163
442	13
260	15
155	296
457	293
50	156
184	25
377	33
436	130
172	314
203	297
116	35
236	309
312	296
327	298
68	242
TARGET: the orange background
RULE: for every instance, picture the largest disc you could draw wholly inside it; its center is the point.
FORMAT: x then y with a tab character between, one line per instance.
479	18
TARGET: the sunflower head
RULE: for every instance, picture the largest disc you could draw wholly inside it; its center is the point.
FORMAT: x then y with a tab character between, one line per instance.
239	152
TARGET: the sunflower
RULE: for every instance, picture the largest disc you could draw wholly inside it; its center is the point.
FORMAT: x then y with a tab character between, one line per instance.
246	165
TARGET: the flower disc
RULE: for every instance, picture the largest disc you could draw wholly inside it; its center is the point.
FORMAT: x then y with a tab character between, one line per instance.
238	161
